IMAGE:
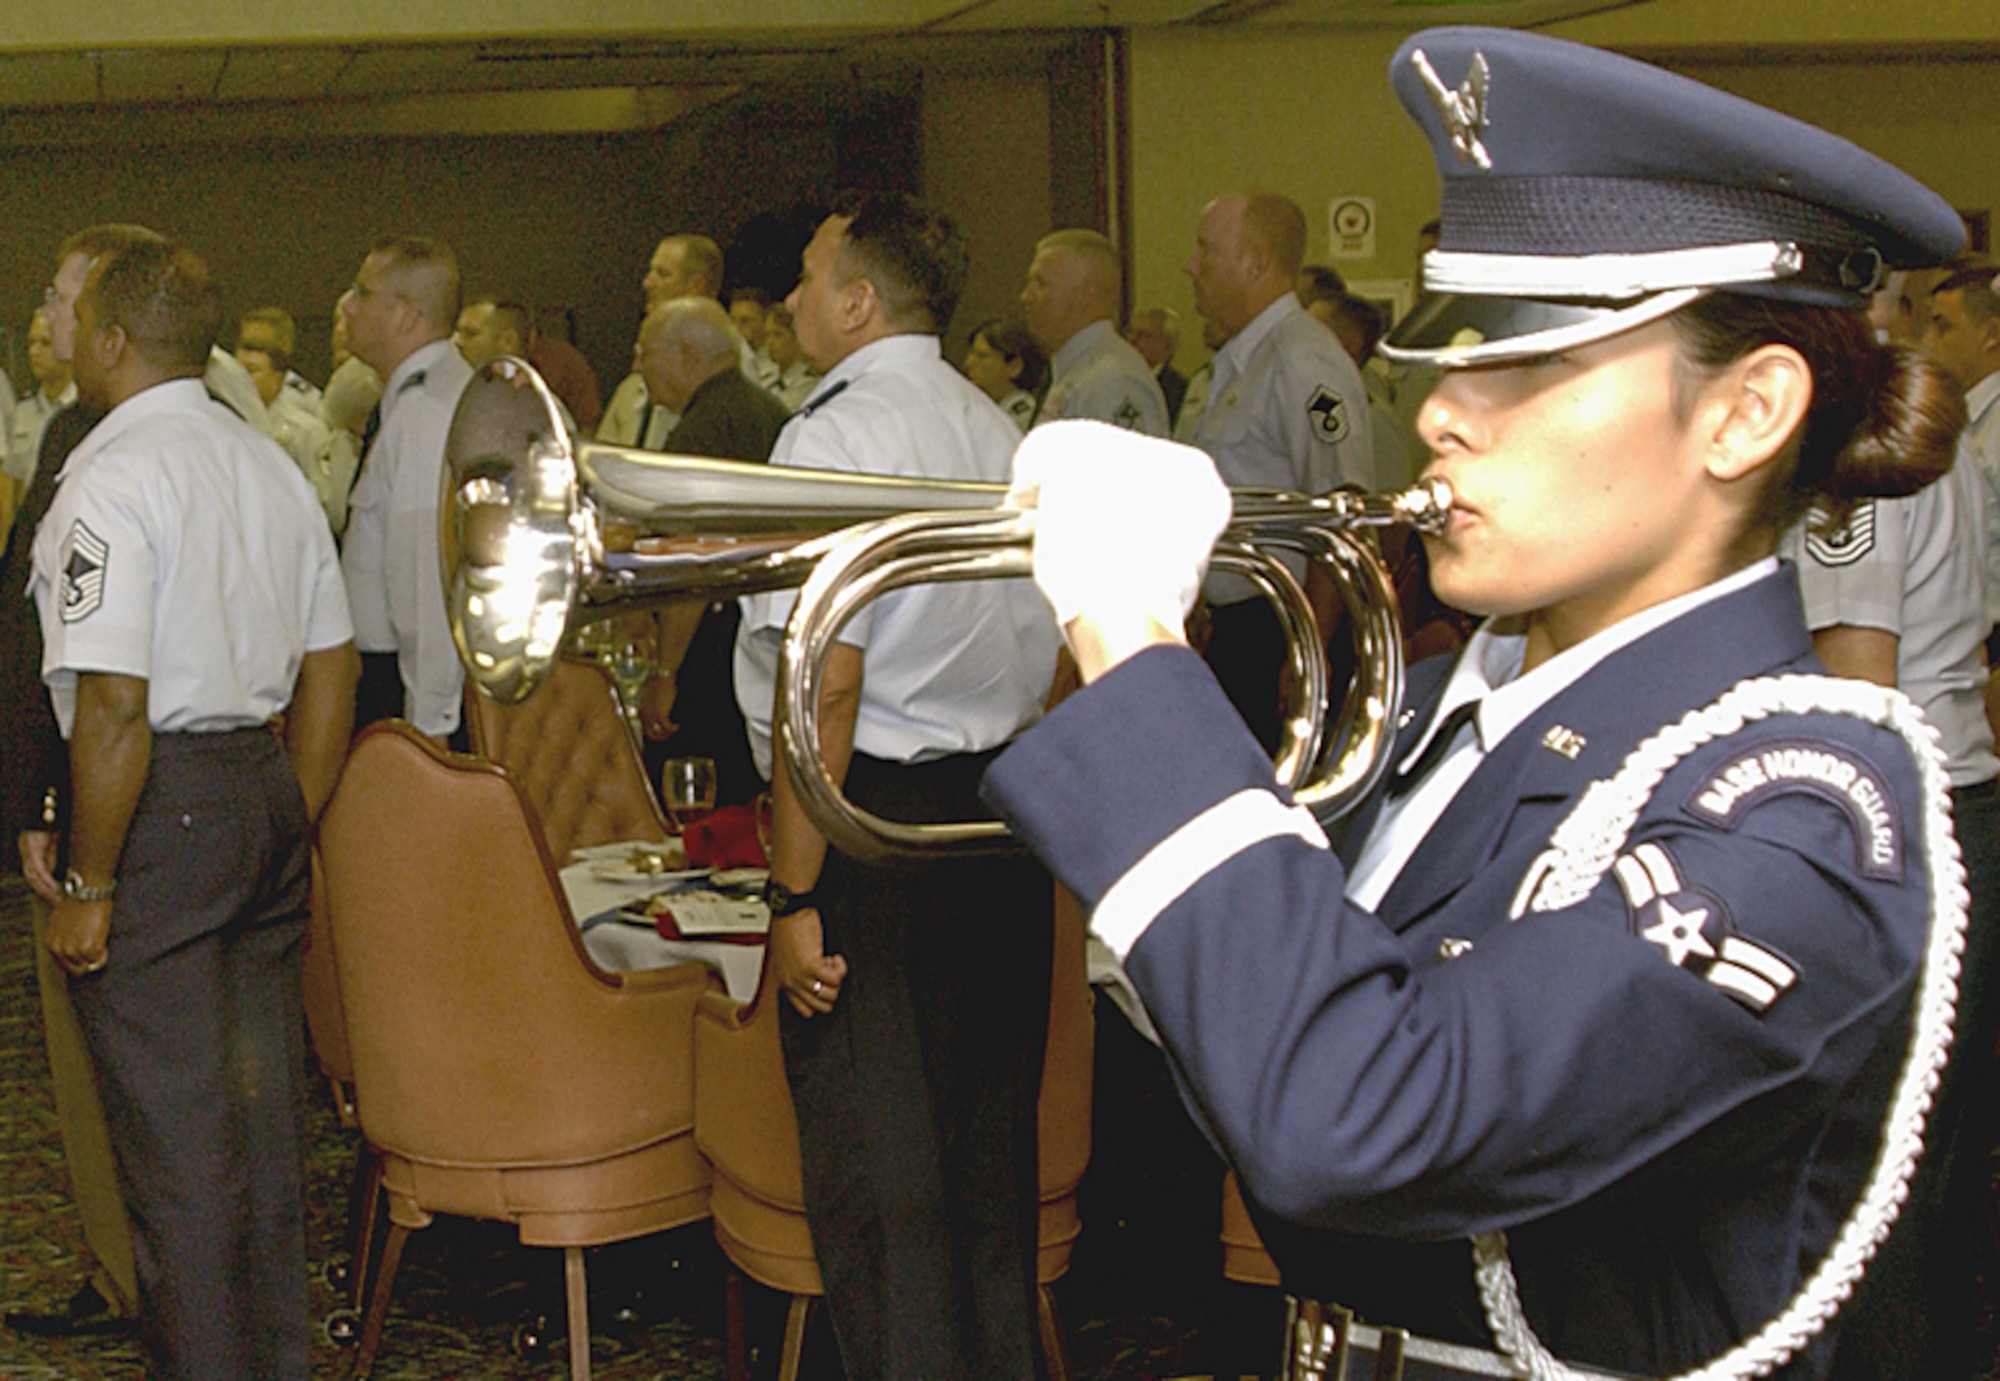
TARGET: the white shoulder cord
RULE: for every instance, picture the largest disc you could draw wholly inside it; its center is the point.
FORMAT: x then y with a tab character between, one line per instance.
1583	848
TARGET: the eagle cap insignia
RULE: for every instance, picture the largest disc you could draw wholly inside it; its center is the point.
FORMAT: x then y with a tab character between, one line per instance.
1464	110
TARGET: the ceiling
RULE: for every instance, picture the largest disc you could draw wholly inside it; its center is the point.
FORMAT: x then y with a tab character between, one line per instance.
138	80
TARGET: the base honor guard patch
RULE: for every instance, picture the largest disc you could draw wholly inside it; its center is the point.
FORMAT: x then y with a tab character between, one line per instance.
1841	544
1328	411
84	554
1693	931
1831	771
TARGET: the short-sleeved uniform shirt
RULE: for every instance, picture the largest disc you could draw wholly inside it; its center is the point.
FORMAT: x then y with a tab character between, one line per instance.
1285	409
391	552
1097	374
951	668
1915	567
185	548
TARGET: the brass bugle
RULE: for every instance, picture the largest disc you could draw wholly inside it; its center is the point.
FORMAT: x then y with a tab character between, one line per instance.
541	533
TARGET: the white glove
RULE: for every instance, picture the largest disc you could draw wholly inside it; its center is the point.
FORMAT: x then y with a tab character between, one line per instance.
1124	523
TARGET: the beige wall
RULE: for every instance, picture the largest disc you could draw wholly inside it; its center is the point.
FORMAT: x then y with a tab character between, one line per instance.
986	159
1310	113
1306	113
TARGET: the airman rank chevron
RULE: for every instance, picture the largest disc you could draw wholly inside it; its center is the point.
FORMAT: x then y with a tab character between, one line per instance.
1831	771
84	555
1693	930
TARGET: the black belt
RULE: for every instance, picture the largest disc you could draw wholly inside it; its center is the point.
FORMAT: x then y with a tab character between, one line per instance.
1324	1342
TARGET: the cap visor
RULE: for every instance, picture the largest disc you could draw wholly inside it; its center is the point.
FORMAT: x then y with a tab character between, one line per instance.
1455	330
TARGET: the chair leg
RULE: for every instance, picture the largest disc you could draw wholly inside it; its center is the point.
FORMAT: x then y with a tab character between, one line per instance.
796	1319
377	1316
1055	1347
736	1366
578	1289
364	1217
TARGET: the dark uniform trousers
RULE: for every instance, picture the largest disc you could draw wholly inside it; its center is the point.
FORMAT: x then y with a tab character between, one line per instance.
195	1029
916	1095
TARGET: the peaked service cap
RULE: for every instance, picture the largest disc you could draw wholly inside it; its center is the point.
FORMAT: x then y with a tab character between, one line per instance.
1587	193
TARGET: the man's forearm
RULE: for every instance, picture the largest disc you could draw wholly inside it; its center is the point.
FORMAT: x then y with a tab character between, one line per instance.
320	721
110	753
798	849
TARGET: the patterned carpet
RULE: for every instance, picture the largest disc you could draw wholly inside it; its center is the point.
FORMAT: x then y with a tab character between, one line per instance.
1141	1302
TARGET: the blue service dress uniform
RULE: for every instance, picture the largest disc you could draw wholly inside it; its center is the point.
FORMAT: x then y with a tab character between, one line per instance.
1666	1094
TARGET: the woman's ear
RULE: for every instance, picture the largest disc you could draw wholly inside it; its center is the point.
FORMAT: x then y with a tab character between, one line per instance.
1752	409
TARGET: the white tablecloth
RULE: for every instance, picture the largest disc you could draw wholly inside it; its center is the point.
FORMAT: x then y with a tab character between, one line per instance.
621	945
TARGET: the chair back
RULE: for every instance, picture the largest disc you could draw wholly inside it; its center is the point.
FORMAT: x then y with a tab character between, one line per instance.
569	748
481	1032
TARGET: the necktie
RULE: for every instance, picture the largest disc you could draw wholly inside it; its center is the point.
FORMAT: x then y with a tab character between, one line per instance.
1408	779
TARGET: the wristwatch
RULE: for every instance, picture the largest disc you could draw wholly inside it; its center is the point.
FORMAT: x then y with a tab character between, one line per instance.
76	889
783	901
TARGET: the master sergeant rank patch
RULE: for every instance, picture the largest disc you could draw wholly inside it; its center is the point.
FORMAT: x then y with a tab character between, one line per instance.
84	555
1329	415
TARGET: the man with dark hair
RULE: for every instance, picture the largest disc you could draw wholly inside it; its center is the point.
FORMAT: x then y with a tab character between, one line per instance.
1285	409
916	997
189	596
34	801
400	314
271	329
1963	334
489	327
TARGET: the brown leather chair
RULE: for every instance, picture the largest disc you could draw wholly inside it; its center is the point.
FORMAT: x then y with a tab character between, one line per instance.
745	1125
498	1073
568	747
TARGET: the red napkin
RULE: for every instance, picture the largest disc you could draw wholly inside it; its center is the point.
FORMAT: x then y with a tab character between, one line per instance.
725	839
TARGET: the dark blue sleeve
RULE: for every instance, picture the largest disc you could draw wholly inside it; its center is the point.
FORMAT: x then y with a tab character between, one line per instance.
1356	1082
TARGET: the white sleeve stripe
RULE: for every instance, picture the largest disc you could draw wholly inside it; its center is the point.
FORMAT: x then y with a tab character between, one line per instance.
1191	853
1655	859
1632	876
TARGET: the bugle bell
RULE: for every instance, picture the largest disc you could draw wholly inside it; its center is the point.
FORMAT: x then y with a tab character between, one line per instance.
540	533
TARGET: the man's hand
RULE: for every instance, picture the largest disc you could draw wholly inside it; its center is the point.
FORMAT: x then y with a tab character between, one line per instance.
809	977
38	863
656	706
79	935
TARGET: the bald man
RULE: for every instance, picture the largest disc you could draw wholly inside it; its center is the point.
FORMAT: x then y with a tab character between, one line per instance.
1285	410
681	266
400	316
689	354
1069	306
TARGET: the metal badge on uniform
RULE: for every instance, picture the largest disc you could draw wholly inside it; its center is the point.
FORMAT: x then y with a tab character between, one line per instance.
1818	767
1845	544
84	556
1565	741
1328	411
1464	110
1692	929
1127	416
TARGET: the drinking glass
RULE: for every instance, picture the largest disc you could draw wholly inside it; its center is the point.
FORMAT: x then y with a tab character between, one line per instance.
687	789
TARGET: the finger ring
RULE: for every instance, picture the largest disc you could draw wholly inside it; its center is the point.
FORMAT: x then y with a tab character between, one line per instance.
818	987
93	968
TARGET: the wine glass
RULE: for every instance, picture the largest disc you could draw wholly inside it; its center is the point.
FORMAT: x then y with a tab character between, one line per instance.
687	789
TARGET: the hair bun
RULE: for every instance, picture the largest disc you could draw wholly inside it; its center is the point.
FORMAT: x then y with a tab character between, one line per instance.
1906	413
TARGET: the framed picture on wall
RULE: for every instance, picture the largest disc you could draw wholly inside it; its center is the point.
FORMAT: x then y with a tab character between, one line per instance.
1391	296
